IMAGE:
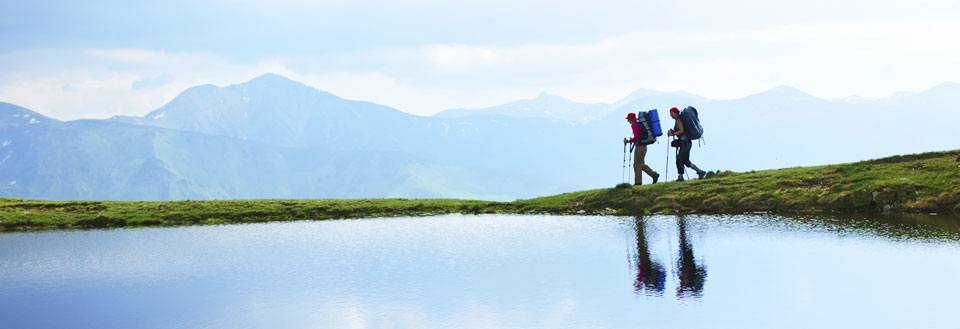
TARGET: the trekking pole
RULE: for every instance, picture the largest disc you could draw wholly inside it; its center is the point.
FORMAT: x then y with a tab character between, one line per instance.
630	160
623	167
629	164
666	165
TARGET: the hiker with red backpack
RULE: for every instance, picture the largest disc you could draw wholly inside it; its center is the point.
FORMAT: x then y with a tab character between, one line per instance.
638	144
686	128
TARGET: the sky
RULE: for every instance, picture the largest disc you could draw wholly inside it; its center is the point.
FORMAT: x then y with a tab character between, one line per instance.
94	59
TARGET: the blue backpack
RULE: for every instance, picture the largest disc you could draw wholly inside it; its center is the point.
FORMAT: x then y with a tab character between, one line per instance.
654	118
648	135
691	124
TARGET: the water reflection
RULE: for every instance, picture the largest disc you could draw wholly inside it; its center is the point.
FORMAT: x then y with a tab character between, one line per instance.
491	271
691	275
651	276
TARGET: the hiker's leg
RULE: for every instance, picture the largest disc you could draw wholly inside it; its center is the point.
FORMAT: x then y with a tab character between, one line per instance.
639	153
700	173
679	161
690	163
640	159
649	171
683	157
694	167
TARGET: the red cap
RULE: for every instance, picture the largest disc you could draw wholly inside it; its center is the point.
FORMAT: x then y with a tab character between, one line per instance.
631	116
674	110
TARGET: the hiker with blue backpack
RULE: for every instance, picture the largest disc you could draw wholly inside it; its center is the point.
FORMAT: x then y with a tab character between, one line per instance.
686	129
644	133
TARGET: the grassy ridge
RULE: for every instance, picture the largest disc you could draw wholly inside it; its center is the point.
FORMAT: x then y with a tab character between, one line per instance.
928	182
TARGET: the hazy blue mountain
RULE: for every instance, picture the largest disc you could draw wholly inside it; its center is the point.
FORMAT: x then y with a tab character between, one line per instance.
645	99
107	159
280	111
15	116
275	110
272	137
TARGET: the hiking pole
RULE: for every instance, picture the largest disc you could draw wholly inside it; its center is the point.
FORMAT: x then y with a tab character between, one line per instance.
626	178
623	167
666	165
630	171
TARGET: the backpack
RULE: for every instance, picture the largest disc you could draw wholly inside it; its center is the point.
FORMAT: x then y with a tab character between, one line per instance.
654	118
691	124
647	134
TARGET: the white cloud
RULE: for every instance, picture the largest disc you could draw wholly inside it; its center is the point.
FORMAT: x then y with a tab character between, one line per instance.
138	56
462	57
104	82
828	59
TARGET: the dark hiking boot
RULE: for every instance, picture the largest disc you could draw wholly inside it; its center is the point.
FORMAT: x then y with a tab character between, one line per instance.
655	179
680	178
701	175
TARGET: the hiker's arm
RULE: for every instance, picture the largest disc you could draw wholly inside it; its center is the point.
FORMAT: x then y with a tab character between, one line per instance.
636	133
680	129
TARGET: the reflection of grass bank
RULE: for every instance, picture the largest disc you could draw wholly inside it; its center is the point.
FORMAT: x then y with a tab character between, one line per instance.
924	183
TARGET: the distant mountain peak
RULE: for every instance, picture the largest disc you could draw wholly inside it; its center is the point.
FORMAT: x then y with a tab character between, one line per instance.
642	92
657	96
856	99
784	89
273	80
944	93
545	96
270	77
276	82
945	87
211	98
545	105
12	114
784	92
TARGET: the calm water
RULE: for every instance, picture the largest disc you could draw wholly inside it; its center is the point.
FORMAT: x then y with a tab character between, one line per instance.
491	271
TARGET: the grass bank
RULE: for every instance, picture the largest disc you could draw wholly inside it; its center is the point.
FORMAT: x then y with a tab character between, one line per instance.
920	183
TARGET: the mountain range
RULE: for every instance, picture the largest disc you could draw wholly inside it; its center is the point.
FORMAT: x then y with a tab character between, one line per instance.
272	137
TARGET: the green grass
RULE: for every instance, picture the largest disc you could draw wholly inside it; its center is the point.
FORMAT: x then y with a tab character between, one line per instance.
920	183
27	215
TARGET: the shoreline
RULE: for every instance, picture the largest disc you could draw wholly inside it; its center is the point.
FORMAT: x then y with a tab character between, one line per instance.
910	184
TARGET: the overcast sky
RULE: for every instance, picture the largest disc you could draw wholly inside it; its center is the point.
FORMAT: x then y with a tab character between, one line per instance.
93	59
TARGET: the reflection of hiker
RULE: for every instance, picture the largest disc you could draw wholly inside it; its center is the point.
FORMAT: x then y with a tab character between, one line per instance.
692	276
640	152
683	144
651	276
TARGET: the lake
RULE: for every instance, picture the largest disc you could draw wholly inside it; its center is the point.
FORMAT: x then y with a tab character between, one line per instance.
489	271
